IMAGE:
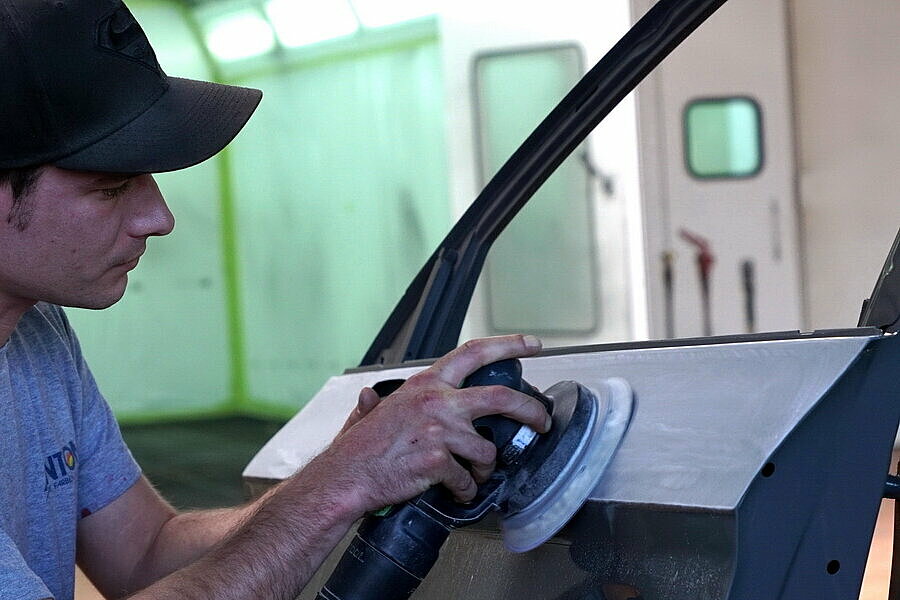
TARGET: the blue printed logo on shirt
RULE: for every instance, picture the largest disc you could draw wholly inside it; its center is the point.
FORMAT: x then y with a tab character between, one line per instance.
58	465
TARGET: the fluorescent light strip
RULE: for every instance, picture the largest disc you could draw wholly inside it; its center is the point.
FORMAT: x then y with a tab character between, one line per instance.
241	34
302	22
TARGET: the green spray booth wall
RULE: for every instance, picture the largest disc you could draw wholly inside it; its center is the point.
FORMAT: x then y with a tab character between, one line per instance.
290	247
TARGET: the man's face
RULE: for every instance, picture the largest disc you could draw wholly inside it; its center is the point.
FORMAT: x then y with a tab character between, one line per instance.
84	232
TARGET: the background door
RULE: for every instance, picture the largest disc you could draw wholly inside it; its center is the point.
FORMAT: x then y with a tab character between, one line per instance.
717	153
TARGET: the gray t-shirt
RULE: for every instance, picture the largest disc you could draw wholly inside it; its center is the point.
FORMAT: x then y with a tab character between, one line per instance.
61	455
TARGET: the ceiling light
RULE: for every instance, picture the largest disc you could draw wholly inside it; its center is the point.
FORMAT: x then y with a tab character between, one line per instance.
239	35
301	22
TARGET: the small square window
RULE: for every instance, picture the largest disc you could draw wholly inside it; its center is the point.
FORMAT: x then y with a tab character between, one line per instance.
723	138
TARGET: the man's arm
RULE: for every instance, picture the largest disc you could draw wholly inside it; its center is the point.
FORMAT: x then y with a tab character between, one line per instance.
407	443
139	538
173	540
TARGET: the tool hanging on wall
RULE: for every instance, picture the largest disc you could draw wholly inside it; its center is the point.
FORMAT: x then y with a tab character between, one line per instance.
668	260
748	283
604	179
705	261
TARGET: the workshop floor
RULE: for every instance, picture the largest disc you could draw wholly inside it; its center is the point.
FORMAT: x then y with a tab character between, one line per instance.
198	464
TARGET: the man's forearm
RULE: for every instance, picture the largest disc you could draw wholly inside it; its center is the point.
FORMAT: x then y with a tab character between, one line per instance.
185	538
267	550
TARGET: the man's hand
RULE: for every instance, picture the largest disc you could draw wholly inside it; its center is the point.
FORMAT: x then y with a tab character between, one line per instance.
394	448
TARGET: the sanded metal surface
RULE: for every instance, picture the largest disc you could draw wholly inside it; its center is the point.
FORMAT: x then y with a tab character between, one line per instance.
705	417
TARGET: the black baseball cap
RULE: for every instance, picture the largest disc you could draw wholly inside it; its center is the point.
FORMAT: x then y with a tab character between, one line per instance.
80	88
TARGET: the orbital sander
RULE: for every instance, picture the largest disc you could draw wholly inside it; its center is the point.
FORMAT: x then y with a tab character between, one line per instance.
540	482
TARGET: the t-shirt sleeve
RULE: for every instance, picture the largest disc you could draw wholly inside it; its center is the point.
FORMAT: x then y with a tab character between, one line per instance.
106	468
17	581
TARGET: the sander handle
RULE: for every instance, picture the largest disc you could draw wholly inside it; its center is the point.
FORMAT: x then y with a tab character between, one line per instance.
393	551
511	438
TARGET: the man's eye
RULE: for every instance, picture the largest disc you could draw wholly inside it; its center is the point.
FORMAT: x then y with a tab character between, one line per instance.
116	191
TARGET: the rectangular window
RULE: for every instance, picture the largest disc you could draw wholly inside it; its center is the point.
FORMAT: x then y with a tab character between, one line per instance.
541	274
723	138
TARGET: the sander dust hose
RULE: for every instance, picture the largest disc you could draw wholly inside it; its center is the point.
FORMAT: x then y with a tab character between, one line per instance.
388	558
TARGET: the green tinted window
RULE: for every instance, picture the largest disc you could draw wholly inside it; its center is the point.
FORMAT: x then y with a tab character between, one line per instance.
723	138
540	275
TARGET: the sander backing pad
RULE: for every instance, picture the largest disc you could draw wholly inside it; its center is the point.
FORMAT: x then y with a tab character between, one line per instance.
588	425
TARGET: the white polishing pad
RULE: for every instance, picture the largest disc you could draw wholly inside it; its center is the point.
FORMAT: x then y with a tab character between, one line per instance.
613	402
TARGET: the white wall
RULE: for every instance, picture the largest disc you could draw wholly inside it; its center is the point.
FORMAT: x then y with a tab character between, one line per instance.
847	97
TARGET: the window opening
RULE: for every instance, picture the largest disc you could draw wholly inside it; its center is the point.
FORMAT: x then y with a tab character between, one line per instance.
540	275
723	138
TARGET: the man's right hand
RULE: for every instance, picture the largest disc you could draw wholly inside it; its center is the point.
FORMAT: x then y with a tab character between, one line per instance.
393	449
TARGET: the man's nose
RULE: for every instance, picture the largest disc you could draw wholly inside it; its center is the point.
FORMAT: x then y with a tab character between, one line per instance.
151	216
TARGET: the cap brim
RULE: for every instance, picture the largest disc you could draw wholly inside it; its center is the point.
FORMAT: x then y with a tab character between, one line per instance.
192	121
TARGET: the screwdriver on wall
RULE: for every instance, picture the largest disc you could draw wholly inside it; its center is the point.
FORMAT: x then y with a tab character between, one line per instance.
668	259
748	281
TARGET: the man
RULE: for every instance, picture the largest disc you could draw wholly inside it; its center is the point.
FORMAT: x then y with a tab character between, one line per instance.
87	115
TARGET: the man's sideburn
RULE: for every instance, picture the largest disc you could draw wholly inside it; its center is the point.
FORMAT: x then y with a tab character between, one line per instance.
21	184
